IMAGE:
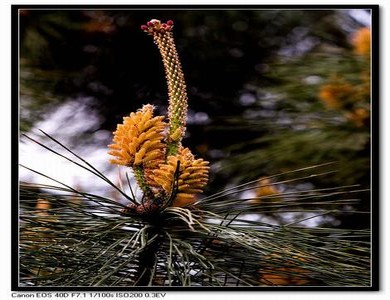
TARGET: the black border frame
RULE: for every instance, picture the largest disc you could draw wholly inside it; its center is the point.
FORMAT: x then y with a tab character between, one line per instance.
375	170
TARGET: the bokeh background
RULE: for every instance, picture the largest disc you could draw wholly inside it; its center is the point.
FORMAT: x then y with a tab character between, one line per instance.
269	91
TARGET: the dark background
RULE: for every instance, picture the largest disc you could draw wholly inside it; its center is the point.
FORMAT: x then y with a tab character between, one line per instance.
253	78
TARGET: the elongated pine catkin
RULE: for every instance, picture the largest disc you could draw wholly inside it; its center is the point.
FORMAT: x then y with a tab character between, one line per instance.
142	142
177	90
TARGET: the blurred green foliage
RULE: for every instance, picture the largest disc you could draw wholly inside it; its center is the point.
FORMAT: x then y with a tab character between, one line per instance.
253	80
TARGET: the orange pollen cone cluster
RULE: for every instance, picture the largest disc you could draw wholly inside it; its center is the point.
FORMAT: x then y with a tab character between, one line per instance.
191	179
362	41
166	172
138	140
